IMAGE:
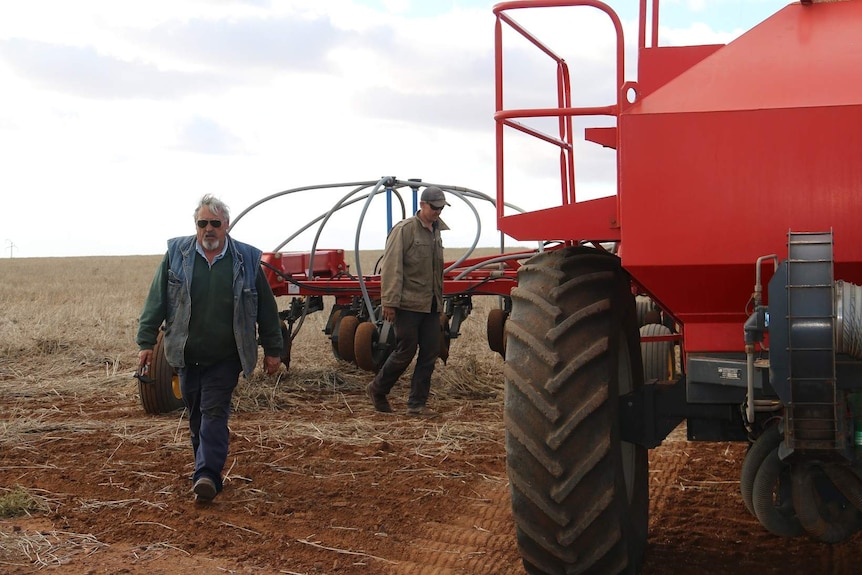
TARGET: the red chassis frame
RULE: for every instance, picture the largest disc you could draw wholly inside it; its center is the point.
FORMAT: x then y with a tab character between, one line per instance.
291	274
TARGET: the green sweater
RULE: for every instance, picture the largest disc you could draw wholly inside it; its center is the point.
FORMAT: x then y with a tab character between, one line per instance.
211	337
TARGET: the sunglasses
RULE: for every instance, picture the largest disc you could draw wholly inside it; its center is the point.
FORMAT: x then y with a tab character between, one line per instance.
214	223
436	209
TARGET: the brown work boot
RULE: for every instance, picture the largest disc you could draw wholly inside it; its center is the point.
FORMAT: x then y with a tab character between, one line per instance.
422	411
378	400
204	490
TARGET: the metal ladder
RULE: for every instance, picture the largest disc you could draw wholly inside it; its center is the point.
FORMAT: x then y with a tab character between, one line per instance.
813	422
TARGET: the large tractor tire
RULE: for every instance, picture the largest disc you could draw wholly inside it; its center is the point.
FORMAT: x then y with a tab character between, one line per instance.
580	495
162	394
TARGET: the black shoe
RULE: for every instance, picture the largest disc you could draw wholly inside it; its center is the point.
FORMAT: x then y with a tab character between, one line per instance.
379	400
205	490
422	411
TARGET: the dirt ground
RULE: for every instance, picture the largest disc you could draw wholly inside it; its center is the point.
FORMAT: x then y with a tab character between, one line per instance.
326	485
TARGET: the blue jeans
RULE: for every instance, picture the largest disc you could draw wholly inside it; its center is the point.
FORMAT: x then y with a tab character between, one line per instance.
412	330
207	393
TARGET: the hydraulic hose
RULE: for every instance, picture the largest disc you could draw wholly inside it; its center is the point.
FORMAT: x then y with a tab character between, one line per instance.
387	182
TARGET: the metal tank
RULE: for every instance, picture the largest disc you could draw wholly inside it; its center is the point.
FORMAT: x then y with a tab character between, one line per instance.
739	183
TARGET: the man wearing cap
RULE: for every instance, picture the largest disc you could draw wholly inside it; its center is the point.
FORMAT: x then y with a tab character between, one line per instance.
411	295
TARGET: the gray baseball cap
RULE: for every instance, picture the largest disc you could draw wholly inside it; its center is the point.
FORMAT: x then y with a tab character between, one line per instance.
434	196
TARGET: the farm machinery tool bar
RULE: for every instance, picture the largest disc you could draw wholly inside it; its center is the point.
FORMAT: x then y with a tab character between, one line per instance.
355	328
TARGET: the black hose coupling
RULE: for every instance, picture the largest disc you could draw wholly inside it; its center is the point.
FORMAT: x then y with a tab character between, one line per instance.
756	325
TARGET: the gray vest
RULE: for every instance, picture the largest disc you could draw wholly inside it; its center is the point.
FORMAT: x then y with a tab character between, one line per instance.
246	263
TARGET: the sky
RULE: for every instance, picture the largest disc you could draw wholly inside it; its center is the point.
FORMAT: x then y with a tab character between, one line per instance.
117	116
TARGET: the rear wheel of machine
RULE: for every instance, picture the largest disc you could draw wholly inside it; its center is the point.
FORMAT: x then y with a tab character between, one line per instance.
163	394
579	493
497	330
772	497
331	329
657	356
847	482
644	305
363	347
761	448
823	511
346	333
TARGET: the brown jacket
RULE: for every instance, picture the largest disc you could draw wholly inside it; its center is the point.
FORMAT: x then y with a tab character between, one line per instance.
412	267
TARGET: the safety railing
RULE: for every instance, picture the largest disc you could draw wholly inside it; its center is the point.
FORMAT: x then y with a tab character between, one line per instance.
564	111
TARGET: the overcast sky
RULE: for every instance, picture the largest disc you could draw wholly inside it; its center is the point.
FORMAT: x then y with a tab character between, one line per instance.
117	116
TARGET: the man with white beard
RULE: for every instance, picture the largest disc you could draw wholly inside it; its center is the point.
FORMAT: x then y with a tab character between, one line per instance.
214	301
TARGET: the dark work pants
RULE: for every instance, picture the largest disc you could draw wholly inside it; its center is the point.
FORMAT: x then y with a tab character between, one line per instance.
207	394
412	330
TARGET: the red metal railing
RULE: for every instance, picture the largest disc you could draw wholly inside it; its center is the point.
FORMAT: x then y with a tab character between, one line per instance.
564	110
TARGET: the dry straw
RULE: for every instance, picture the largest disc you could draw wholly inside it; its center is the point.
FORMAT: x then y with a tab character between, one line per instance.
67	332
67	337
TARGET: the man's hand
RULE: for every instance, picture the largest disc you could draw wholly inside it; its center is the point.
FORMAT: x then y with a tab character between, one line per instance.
271	363
389	314
145	357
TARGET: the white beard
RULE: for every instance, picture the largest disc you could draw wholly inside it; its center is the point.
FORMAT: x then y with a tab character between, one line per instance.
210	245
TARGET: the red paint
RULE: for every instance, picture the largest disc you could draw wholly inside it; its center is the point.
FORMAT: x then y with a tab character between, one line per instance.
726	150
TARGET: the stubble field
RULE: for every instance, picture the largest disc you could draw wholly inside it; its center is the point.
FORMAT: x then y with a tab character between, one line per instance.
316	481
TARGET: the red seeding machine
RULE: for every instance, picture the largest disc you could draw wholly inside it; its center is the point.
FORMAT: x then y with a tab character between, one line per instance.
739	185
355	328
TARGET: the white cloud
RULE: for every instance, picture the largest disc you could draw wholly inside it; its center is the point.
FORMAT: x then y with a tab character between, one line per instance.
116	117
